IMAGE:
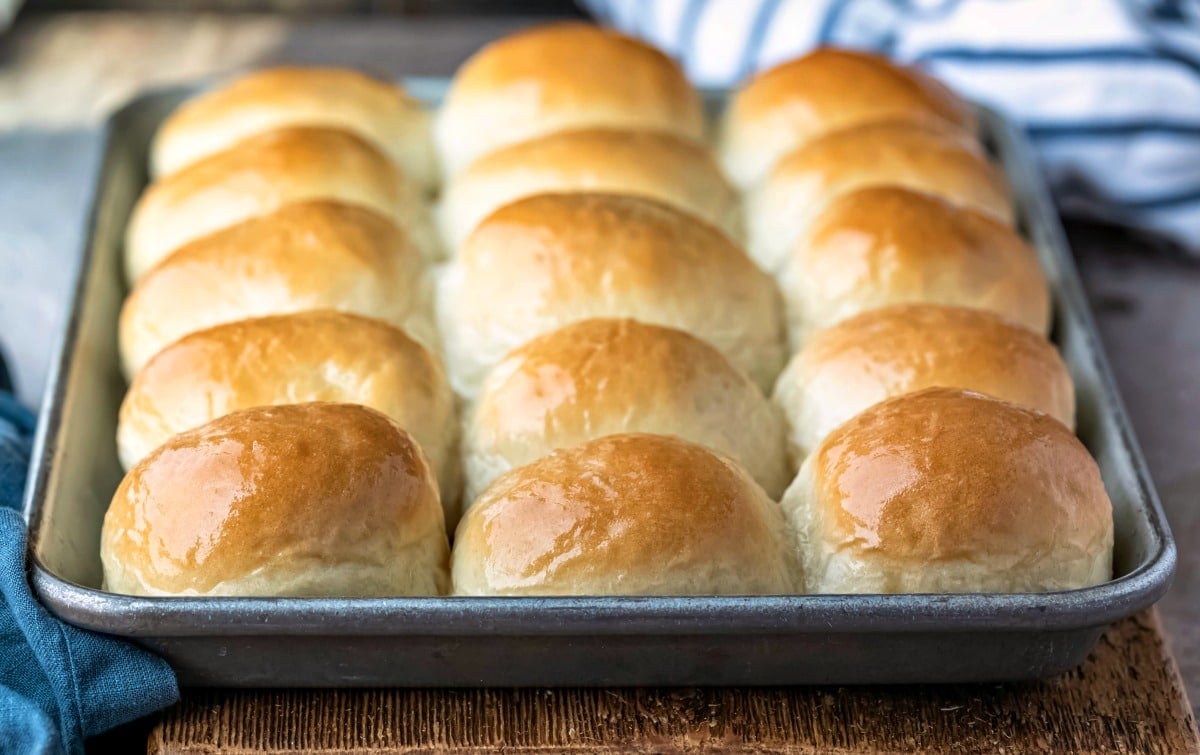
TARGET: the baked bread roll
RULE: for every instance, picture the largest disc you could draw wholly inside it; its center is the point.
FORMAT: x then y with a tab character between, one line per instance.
949	491
902	349
896	153
553	259
259	175
602	377
794	102
643	164
305	500
886	245
632	514
293	359
562	76
378	111
304	256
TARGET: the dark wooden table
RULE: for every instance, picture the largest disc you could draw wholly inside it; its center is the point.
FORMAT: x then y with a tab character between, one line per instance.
1127	698
60	74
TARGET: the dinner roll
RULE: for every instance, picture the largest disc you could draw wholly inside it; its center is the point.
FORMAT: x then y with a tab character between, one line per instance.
785	106
601	377
886	245
560	76
633	514
378	111
644	164
553	259
291	359
309	255
304	500
913	155
258	176
947	490
904	348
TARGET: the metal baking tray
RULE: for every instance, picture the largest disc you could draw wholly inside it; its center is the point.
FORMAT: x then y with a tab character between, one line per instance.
448	642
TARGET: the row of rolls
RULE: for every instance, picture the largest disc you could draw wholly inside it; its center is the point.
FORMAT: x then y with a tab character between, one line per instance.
552	324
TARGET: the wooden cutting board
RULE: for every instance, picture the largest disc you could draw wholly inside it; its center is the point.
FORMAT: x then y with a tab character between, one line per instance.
1127	698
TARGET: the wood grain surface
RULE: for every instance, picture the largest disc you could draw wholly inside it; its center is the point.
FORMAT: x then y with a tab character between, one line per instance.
1127	698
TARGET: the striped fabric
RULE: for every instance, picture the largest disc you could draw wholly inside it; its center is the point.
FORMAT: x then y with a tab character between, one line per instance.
1108	90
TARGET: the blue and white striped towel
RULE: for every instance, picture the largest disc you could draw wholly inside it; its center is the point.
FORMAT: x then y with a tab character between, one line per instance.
1109	91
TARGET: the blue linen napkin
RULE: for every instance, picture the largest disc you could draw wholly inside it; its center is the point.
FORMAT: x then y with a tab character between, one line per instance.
1108	90
58	684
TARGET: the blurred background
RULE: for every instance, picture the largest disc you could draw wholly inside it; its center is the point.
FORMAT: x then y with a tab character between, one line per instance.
411	7
308	7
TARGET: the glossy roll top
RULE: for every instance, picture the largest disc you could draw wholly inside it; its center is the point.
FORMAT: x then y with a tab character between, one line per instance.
905	348
561	76
887	245
263	173
947	490
653	165
304	256
554	259
624	515
826	90
302	500
606	376
378	111
916	156
289	359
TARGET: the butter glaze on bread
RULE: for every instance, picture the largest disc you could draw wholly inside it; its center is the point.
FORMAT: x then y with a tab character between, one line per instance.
885	245
300	500
304	256
562	76
895	350
914	156
378	111
826	90
289	359
554	259
606	376
263	173
635	163
949	491
628	514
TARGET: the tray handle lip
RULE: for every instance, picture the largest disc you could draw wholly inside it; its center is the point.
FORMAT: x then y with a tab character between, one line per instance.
609	615
605	615
50	411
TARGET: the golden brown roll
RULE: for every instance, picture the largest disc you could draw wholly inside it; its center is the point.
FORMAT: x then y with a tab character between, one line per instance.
886	245
261	174
553	259
643	164
293	359
304	500
828	89
951	491
304	256
607	376
891	153
562	76
378	111
632	514
905	348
